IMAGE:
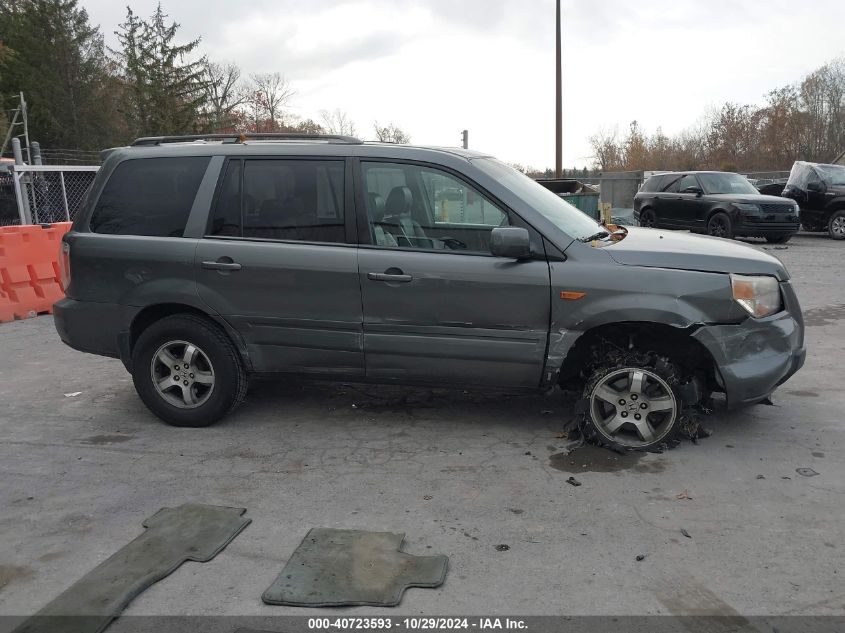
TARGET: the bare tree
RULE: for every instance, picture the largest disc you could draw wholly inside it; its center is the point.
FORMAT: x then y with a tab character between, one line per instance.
337	122
391	133
270	93
607	154
226	93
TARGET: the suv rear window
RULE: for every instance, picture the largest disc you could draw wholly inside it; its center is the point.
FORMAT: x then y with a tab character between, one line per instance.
149	196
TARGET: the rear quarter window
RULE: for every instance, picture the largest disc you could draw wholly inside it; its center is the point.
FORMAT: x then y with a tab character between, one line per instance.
149	196
652	184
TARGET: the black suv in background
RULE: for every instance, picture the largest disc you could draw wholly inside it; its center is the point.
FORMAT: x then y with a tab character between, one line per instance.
820	191
718	203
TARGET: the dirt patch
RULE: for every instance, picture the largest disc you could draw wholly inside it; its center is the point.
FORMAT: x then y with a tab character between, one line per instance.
592	459
803	393
99	440
824	315
14	573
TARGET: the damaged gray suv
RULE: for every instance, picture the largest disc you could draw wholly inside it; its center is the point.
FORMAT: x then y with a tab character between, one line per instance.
200	262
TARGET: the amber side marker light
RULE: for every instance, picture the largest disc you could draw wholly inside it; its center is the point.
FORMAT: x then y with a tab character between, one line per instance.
572	296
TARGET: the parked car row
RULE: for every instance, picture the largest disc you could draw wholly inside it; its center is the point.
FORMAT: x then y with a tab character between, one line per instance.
717	203
725	204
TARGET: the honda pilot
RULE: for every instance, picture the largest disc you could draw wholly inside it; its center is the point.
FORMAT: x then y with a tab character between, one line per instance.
201	262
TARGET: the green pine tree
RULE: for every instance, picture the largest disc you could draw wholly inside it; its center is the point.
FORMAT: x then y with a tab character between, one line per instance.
165	92
51	53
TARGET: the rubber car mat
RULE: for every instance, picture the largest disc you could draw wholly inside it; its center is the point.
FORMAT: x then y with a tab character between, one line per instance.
352	567
192	532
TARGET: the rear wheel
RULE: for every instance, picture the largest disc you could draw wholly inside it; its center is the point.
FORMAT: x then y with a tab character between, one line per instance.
648	219
836	225
778	239
720	226
187	371
635	405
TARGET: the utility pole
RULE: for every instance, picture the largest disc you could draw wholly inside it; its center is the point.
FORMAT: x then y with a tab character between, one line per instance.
558	101
465	139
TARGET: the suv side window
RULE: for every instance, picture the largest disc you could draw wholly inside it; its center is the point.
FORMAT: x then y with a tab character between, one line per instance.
149	196
671	184
688	181
652	184
281	199
413	206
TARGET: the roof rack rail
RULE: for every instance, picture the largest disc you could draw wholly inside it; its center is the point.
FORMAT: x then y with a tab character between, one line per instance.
147	141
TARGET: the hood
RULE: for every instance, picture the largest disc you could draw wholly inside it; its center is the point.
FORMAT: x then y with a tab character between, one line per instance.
658	248
748	198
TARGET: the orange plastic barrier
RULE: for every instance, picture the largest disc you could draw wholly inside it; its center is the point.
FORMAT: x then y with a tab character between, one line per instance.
30	281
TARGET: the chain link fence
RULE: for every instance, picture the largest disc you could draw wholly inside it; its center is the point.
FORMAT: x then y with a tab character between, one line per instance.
44	194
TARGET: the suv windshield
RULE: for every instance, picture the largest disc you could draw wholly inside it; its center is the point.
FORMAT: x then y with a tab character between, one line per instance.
559	212
832	174
726	183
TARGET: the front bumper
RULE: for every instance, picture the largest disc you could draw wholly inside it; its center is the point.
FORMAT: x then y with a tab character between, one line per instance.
757	355
778	224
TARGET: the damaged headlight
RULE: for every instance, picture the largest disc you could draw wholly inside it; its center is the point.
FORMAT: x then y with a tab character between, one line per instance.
760	296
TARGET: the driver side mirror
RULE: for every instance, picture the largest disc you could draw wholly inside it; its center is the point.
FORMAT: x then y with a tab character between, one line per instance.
512	242
815	186
696	190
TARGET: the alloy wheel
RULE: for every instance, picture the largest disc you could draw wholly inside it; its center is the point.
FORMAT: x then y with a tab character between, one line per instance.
837	226
182	374
633	407
718	227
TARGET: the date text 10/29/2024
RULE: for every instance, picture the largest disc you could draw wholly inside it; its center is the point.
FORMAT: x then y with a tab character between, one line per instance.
416	624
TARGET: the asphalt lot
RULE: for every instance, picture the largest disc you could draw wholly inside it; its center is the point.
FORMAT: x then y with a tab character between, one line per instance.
458	472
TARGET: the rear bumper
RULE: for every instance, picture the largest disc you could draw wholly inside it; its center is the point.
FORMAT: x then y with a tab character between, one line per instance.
756	356
89	327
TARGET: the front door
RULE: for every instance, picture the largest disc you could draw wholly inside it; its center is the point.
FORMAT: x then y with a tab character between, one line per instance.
279	263
688	204
438	307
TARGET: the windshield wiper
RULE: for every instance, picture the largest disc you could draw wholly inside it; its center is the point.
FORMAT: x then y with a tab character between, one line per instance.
596	236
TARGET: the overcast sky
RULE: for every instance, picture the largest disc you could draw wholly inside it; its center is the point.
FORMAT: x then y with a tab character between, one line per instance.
436	67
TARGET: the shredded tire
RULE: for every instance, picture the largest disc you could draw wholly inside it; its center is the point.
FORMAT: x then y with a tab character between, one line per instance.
609	358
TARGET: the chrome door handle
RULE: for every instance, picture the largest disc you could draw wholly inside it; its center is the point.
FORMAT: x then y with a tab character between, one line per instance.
389	277
221	265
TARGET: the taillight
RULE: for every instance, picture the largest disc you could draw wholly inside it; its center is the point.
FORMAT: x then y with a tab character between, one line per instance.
65	266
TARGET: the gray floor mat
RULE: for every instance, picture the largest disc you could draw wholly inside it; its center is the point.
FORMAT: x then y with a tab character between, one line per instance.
352	567
192	532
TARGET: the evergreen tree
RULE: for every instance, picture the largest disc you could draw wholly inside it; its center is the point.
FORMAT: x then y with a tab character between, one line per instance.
52	54
165	92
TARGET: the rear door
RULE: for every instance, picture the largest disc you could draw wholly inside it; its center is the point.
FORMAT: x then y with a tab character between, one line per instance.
688	206
665	201
279	263
438	307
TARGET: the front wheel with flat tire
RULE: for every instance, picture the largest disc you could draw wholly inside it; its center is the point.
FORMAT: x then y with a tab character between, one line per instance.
633	405
720	226
836	225
187	371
